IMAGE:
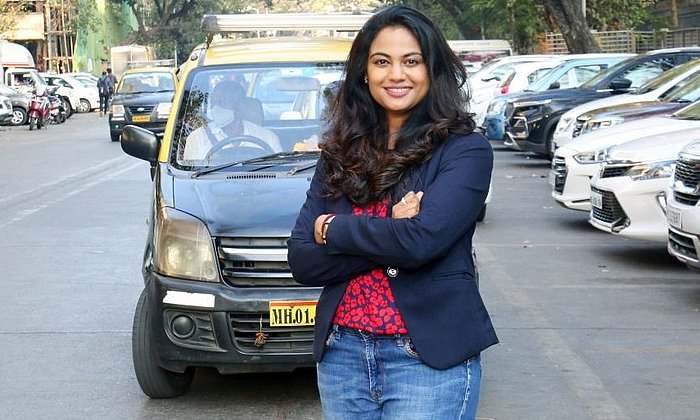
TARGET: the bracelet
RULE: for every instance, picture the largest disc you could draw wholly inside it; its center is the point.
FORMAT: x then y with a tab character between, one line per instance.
324	226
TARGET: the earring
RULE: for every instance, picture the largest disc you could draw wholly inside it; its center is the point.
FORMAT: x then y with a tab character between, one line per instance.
365	79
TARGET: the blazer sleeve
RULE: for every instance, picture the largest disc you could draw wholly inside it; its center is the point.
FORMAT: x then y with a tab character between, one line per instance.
448	210
312	264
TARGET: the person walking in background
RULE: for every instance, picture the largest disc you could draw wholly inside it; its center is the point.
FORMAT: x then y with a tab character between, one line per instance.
104	94
387	230
109	82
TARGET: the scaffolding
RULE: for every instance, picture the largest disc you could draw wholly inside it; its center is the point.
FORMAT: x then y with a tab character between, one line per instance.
58	48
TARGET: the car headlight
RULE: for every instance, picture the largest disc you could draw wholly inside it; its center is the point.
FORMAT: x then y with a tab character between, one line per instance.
654	170
591	156
117	112
163	110
564	124
525	104
593	125
496	107
183	247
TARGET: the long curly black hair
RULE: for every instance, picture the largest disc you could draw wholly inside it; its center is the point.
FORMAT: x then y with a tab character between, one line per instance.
354	148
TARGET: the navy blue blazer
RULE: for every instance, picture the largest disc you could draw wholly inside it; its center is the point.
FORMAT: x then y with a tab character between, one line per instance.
428	258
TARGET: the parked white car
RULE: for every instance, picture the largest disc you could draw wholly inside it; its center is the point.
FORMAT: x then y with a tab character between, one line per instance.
5	109
482	83
628	194
88	79
682	211
89	97
575	164
569	125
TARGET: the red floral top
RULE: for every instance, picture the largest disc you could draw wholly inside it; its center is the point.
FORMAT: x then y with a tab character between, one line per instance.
368	303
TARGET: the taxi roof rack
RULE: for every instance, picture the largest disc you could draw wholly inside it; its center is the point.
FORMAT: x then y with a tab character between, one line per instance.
346	22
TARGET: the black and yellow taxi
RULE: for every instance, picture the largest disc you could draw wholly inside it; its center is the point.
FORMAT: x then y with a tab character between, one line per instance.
230	175
143	97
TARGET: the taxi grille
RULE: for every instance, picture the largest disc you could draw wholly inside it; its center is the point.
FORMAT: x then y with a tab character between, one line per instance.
255	262
141	109
287	340
611	211
688	173
682	245
560	172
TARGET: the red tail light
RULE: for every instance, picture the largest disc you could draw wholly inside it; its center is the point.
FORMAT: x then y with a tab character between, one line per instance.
504	90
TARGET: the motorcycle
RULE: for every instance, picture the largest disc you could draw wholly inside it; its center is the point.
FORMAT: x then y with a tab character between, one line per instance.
57	111
39	110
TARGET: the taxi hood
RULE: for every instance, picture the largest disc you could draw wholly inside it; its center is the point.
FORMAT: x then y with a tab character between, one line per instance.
243	203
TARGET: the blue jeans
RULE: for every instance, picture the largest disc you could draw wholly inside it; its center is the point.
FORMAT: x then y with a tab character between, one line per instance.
367	376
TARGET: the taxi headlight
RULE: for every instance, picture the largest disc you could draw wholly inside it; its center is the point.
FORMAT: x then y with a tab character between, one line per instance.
163	110
183	247
591	156
117	112
654	170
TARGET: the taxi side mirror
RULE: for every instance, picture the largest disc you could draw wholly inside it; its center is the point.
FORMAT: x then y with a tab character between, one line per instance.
140	143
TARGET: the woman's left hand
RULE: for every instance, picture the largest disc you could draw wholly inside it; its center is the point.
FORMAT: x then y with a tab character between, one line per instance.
408	207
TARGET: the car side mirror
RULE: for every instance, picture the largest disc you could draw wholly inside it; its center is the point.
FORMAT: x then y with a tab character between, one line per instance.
554	85
620	84
140	143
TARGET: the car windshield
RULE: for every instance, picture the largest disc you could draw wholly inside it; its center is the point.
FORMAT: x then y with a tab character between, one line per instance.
592	82
690	112
687	90
146	83
236	113
666	77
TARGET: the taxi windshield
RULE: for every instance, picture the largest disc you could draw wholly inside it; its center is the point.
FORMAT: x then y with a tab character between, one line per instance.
237	113
133	83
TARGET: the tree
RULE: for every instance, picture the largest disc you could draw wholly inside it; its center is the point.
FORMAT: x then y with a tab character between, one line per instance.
8	17
569	18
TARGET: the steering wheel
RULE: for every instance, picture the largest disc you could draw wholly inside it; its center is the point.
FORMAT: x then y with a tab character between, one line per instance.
239	141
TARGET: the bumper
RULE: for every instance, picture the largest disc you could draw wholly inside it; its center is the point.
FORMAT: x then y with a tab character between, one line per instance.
571	182
510	142
158	127
684	231
225	327
633	209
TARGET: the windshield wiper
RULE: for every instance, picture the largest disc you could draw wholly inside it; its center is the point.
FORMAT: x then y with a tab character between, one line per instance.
211	169
301	168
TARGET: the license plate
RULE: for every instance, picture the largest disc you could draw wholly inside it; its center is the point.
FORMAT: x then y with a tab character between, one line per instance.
292	313
596	200
674	217
141	118
552	178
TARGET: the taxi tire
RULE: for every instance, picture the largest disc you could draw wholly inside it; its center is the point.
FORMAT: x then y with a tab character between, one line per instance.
115	137
155	381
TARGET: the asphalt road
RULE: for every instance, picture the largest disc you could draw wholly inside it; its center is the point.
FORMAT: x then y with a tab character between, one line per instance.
592	326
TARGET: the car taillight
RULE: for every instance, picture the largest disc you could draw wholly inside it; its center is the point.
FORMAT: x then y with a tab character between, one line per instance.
504	90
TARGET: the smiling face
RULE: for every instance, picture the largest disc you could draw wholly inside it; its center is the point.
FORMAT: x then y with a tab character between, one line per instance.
397	75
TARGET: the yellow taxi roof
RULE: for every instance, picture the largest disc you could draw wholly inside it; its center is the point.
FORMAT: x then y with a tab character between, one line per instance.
277	50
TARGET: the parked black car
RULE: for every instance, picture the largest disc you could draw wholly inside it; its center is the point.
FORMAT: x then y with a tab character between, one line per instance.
532	118
143	98
20	104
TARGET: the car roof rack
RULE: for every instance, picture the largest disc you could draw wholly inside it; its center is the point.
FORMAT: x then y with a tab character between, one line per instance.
240	23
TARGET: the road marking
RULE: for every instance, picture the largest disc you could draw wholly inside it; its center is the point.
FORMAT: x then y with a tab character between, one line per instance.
22	214
587	387
49	185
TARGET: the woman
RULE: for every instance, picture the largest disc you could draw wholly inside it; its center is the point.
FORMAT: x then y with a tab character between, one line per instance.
387	227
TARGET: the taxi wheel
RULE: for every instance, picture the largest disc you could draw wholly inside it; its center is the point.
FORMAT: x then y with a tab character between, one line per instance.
155	381
115	137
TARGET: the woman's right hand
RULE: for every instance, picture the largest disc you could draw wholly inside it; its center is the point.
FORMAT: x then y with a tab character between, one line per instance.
408	207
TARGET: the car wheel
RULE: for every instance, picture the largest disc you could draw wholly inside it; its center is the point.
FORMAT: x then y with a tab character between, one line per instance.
155	381
83	106
482	214
67	106
115	137
19	116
